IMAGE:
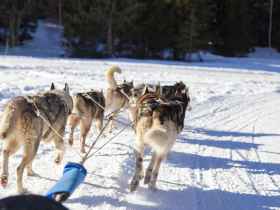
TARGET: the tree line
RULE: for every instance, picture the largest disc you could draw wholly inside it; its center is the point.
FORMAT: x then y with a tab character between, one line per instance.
158	29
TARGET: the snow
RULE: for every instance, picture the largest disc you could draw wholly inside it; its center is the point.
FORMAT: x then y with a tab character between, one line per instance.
227	156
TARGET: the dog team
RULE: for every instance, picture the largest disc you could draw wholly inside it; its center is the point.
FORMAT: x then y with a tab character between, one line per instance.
158	114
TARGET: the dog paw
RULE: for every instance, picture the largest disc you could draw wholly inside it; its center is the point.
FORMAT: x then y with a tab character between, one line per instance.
102	136
31	173
57	161
4	181
110	131
147	178
142	174
152	187
134	184
22	191
70	142
82	151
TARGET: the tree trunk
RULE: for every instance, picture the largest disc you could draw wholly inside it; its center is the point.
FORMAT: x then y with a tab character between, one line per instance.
192	33
12	28
176	55
17	28
5	33
109	40
270	26
59	17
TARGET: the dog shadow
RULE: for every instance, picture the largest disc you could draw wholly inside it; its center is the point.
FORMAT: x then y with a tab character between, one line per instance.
222	144
216	133
194	161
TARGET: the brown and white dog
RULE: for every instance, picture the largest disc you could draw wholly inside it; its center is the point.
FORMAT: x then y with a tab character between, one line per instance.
86	111
114	96
167	91
159	128
21	126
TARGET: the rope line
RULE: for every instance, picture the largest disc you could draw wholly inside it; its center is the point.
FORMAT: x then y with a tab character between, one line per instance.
38	114
113	137
89	97
85	157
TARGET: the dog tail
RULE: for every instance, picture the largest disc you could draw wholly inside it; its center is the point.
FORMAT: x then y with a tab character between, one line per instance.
8	121
161	136
110	77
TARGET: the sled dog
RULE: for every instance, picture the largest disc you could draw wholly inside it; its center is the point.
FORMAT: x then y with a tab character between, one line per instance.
169	91
85	111
115	97
21	126
138	89
166	91
159	127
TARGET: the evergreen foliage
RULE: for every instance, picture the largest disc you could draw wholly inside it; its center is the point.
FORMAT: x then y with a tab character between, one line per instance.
158	29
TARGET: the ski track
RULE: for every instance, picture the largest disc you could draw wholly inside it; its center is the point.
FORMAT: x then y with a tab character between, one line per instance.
227	156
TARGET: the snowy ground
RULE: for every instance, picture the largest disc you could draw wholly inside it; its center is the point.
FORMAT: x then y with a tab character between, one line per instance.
227	157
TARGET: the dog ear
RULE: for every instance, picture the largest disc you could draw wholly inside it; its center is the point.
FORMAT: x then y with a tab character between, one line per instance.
158	83
131	82
159	90
52	87
66	88
187	91
101	91
146	89
124	81
91	90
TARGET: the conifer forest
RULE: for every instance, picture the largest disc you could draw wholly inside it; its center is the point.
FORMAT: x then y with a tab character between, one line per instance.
145	29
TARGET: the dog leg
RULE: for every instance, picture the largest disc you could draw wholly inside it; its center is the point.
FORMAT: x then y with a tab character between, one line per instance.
84	131
10	147
29	153
138	156
59	145
113	121
5	172
29	171
99	127
132	113
73	122
152	184
150	169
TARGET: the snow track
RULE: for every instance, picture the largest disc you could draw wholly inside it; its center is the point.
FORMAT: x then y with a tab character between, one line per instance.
227	157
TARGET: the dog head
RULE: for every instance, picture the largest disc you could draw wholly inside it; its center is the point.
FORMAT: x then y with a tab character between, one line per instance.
185	94
137	90
63	95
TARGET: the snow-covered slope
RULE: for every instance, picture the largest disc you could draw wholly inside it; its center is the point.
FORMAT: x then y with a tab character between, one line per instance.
227	157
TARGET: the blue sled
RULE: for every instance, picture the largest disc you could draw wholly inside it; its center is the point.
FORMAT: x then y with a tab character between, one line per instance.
73	175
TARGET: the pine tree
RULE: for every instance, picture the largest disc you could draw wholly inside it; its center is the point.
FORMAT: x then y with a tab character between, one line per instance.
235	28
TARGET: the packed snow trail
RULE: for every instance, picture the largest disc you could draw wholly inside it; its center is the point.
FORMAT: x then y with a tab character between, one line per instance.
227	157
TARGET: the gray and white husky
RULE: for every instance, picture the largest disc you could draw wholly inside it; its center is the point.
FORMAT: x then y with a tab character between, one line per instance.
21	126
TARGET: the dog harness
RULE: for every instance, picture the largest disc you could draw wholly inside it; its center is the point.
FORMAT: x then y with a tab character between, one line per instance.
88	96
156	103
46	110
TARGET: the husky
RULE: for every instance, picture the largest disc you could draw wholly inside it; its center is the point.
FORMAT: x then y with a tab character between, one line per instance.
161	122
86	111
166	91
21	126
169	91
138	89
115	97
